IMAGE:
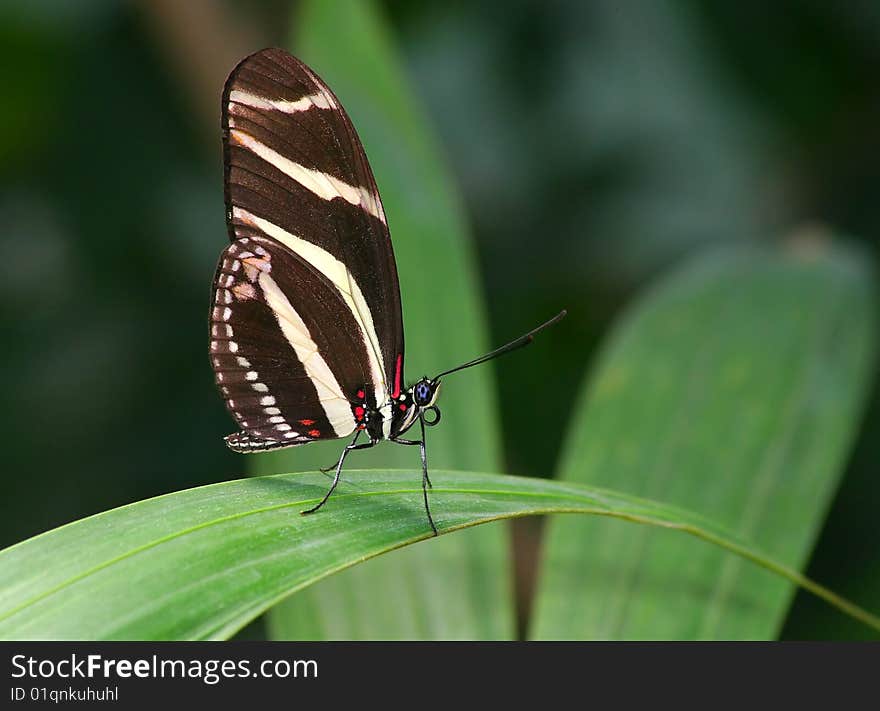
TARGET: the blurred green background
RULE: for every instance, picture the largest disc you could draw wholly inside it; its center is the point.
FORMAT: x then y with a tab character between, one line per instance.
596	144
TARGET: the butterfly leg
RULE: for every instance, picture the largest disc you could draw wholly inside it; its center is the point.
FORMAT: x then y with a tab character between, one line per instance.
327	470
426	482
348	448
427	479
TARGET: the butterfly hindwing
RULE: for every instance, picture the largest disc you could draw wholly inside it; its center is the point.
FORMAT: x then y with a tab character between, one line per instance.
287	356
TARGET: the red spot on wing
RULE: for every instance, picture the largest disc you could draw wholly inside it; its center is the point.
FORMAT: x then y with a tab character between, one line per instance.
307	422
403	406
359	412
361	394
314	433
397	373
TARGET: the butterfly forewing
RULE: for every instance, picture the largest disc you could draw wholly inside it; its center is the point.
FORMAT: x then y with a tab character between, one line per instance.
316	312
294	161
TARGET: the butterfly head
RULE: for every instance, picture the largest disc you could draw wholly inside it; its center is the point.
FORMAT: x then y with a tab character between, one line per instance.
424	396
425	392
417	402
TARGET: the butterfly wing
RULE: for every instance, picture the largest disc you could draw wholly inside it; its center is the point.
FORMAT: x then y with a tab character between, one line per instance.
324	320
289	372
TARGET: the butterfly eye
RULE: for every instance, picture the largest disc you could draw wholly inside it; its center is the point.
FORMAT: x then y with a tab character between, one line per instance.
423	393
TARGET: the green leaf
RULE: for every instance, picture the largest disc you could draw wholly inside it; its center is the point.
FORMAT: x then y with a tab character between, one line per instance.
348	45
201	563
851	527
734	389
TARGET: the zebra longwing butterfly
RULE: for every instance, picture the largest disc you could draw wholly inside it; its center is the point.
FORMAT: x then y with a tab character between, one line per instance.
306	323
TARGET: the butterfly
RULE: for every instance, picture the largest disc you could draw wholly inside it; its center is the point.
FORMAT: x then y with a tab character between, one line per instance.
307	338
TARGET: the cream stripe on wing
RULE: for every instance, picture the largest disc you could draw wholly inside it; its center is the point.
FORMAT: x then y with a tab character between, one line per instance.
341	278
319	100
330	395
323	185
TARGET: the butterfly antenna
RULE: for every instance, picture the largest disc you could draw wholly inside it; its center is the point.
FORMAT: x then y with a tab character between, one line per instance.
520	342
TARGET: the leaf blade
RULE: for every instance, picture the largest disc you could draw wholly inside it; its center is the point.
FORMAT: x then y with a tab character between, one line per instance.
734	388
201	563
